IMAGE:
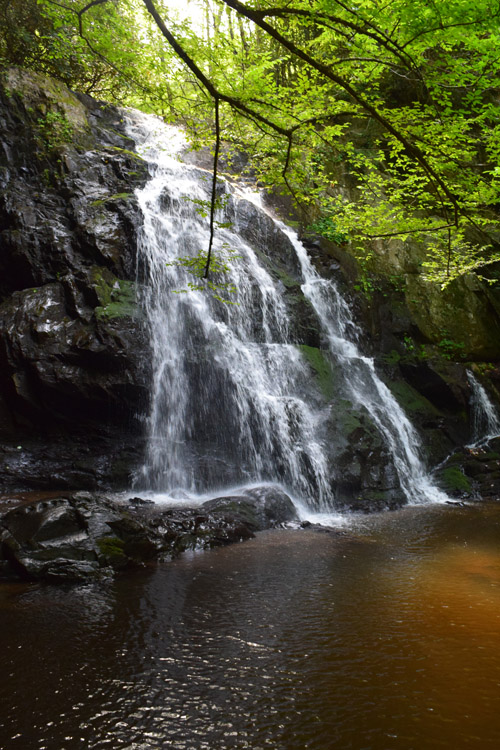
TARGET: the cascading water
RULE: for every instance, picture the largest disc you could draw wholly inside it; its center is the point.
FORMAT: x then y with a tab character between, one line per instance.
366	388
232	400
227	402
485	420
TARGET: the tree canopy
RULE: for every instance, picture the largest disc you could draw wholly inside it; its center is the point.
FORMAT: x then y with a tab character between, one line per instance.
382	119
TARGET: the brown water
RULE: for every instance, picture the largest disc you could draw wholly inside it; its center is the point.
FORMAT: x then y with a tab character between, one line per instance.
387	637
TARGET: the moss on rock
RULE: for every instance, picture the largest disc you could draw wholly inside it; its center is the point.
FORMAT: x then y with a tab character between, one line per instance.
45	97
411	400
322	368
112	548
117	297
453	480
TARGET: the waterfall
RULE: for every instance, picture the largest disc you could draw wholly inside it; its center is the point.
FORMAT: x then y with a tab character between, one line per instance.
228	401
233	401
484	418
366	388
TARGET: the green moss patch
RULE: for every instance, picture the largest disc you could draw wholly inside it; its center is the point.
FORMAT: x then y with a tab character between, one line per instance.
411	400
112	548
127	151
453	480
322	368
115	197
490	456
348	417
117	297
288	281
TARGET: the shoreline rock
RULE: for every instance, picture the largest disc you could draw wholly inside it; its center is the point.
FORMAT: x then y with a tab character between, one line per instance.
79	536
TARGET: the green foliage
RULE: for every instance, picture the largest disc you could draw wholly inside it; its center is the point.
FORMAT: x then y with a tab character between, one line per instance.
211	278
55	130
44	37
450	349
417	351
384	118
398	282
203	208
408	344
327	228
367	283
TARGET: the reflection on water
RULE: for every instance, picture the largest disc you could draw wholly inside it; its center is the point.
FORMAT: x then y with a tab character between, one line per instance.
383	636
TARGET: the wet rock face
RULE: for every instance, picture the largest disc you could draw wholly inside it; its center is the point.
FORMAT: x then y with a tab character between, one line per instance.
259	508
74	359
73	356
365	479
64	364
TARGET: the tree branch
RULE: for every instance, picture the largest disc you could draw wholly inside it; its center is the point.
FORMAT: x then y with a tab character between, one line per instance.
414	151
206	82
403	232
214	188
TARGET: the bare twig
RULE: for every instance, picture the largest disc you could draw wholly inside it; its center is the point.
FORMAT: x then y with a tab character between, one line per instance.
214	188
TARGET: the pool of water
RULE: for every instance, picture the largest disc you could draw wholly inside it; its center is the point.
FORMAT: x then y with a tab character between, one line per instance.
383	635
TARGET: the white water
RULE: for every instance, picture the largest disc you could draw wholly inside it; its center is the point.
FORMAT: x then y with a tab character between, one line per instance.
366	388
232	398
485	420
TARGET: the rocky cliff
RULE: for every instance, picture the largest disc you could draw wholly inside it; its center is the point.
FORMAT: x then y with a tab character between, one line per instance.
73	378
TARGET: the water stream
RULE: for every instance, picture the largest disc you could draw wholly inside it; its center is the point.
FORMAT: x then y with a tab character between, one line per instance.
485	420
233	400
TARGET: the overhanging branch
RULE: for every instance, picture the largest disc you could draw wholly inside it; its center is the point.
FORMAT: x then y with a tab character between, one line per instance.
257	17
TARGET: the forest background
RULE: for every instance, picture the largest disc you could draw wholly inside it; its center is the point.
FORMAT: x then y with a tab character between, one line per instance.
381	119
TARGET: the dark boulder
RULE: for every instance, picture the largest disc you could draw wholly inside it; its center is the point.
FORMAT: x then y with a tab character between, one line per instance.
259	508
472	472
84	536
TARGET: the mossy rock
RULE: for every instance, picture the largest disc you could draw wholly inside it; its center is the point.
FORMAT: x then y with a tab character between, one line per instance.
321	367
112	198
411	400
46	97
117	297
460	319
112	548
350	419
288	281
453	480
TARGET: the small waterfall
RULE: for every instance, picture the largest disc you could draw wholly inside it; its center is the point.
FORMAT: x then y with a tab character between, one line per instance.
484	418
366	388
232	398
